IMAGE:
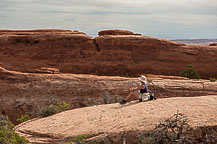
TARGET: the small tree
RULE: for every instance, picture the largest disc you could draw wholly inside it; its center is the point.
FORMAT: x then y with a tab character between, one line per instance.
190	73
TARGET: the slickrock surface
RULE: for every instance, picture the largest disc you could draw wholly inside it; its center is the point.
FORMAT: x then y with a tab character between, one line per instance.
116	121
114	52
26	92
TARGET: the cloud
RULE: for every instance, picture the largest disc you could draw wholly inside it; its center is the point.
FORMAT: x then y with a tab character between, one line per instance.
165	18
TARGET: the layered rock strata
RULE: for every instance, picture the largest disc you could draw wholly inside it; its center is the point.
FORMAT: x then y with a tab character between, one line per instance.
22	93
114	52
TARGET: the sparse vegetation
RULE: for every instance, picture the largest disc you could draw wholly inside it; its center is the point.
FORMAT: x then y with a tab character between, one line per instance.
80	139
190	73
53	109
106	98
212	79
24	118
7	135
176	130
149	80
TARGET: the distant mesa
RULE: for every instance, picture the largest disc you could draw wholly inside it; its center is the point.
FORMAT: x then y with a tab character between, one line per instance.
39	30
116	32
213	44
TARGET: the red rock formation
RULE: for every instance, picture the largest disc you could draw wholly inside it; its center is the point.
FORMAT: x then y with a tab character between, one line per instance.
213	44
115	32
75	52
45	70
24	92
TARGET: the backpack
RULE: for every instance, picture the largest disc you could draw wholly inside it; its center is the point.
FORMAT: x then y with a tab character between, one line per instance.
152	97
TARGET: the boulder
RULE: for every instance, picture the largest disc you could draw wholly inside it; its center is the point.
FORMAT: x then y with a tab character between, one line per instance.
114	122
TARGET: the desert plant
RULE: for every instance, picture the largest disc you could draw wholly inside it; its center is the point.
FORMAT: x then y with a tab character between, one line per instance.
212	79
62	107
176	130
24	118
190	73
171	131
53	109
7	135
106	97
80	139
205	135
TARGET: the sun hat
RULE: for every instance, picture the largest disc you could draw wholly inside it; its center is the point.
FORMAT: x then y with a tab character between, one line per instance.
142	78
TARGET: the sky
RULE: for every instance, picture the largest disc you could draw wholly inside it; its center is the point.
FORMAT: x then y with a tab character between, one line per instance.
169	19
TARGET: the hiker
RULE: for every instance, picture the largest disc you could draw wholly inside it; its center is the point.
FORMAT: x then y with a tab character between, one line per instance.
140	93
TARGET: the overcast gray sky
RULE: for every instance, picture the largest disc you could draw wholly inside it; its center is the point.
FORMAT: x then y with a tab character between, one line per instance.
171	19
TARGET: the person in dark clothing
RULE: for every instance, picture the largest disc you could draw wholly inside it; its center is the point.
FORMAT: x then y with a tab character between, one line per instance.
141	93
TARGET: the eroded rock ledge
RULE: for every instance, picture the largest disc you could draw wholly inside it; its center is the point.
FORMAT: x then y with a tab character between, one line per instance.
24	92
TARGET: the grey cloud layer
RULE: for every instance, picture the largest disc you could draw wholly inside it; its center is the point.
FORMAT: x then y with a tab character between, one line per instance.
154	17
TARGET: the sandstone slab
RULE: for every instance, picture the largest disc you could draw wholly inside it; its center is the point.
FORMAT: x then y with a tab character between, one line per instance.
114	121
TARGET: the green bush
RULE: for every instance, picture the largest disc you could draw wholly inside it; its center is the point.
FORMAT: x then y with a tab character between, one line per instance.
190	73
24	118
80	139
53	109
212	79
7	135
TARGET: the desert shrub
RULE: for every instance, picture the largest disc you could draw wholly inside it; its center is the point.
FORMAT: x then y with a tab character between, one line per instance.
7	135
190	73
176	130
212	79
206	135
106	97
53	109
62	107
24	118
80	139
104	140
170	131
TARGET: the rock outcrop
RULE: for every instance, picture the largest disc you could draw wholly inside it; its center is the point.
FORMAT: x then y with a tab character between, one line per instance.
115	32
22	93
114	122
213	44
45	70
114	52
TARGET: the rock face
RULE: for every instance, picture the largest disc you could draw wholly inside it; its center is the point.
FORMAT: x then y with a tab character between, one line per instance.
114	52
213	44
61	49
21	93
114	122
45	70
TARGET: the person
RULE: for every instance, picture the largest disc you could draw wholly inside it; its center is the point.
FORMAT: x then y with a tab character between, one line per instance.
141	93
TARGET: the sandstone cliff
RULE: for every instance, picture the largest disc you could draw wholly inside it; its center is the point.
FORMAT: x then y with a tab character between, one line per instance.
114	52
114	122
26	92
